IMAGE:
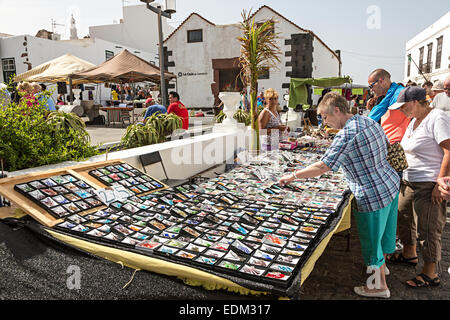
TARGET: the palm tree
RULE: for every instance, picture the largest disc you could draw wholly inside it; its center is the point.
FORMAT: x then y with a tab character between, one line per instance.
259	51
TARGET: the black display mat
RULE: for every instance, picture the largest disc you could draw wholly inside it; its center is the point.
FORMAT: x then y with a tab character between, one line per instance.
240	225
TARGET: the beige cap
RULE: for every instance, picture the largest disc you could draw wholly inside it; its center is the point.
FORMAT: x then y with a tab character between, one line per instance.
438	85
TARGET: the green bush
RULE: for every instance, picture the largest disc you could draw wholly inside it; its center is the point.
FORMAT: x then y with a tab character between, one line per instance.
33	136
155	130
240	116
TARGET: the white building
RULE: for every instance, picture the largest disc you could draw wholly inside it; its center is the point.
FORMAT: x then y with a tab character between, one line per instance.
204	57
429	51
138	29
21	53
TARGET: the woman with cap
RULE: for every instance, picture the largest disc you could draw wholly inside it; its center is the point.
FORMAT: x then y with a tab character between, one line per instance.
427	147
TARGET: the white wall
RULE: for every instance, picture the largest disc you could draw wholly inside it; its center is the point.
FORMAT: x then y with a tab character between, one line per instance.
220	41
138	30
193	61
440	28
42	50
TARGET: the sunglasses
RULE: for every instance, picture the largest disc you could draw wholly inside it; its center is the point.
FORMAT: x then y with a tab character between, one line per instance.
373	83
446	89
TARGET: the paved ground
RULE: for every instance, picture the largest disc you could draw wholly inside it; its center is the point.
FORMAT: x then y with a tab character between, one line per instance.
103	135
338	271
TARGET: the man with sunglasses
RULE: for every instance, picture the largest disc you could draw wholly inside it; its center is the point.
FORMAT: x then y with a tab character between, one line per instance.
442	100
393	122
381	85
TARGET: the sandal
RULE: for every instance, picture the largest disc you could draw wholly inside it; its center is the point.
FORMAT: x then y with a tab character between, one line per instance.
401	259
427	281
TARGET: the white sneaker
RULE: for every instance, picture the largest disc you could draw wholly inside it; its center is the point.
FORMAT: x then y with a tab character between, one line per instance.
381	294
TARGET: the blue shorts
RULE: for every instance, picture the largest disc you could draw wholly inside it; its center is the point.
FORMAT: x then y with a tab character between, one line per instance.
377	233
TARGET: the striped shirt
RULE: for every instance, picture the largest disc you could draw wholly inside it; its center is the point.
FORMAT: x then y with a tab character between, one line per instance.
360	149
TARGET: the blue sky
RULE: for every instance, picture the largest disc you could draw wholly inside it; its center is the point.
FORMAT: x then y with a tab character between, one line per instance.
340	24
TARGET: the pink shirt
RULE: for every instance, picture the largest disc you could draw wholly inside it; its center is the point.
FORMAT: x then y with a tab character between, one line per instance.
394	123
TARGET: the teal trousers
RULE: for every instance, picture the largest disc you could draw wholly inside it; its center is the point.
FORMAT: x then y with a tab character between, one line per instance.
377	233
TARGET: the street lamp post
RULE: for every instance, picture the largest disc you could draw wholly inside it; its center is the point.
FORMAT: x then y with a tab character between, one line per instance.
170	9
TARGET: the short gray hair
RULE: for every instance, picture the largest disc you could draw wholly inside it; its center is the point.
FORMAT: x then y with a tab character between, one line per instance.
380	73
332	100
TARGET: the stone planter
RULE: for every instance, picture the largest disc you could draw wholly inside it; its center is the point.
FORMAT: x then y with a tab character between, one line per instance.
230	104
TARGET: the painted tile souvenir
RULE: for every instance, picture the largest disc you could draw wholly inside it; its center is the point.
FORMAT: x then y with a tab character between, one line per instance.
96	233
49	182
59	211
288	259
49	202
83	205
263	255
206	260
277	275
281	268
168	250
252	270
36	194
258	262
60	199
36	185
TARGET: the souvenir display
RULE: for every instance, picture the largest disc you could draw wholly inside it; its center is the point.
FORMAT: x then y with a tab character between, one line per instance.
60	195
241	222
127	176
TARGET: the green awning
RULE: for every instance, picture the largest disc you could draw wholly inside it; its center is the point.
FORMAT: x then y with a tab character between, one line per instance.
298	93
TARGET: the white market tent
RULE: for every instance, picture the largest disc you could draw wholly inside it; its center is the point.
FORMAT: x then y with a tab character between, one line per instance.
57	70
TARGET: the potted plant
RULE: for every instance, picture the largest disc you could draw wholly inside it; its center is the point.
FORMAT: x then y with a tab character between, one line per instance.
259	51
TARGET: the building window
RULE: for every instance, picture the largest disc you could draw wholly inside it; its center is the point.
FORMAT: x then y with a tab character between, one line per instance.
428	68
408	71
195	36
265	74
439	52
421	59
108	54
9	68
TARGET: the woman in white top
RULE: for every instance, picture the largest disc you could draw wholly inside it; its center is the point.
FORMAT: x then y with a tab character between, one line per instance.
427	147
270	122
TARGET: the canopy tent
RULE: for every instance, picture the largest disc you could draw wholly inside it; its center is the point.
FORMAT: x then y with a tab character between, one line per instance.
298	93
56	70
123	68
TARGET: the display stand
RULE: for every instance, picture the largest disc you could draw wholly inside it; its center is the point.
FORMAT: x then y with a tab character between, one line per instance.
190	273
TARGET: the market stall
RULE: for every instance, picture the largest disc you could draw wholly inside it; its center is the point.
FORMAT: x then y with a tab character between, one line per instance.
239	231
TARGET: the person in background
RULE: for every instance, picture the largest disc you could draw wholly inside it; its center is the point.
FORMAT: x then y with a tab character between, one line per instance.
427	147
141	95
442	100
114	95
60	99
148	100
260	100
359	145
153	108
244	104
438	87
47	102
382	86
269	121
428	85
178	108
